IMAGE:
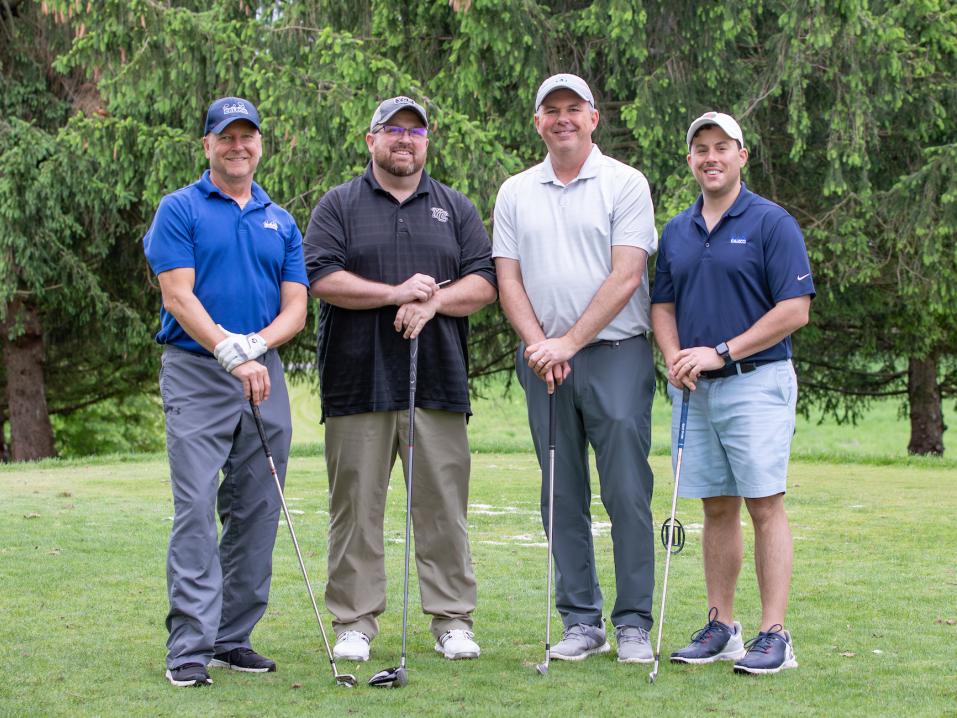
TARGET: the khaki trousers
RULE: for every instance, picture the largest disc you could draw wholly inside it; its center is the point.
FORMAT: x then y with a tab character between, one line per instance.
360	452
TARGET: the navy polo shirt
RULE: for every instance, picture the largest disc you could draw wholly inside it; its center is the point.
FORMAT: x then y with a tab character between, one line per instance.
721	282
240	256
360	228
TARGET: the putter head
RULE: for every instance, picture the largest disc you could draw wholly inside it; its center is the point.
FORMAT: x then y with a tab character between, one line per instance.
389	678
346	680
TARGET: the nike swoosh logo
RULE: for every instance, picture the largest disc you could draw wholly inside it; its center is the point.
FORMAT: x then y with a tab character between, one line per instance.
804	276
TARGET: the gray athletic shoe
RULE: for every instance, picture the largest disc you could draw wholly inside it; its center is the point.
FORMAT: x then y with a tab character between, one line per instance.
579	642
633	645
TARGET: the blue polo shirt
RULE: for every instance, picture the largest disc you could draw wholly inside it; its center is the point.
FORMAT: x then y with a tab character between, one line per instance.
240	256
721	282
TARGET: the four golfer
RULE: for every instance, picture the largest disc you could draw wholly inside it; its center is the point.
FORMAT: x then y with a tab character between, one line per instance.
395	255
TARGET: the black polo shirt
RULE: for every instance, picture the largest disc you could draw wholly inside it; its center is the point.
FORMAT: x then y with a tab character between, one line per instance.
359	227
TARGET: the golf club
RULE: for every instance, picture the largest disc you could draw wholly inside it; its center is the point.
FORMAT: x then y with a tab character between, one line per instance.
397	677
542	667
670	544
342	679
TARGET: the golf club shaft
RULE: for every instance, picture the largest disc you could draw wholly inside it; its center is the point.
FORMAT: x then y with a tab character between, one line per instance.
682	426
285	509
551	522
413	370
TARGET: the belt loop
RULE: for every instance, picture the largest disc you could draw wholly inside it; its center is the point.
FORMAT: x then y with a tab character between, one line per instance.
737	368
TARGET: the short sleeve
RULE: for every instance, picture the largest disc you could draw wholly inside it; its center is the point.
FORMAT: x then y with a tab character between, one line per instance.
633	223
324	246
169	242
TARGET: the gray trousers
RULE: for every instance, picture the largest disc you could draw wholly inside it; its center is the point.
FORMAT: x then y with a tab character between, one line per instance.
217	593
605	402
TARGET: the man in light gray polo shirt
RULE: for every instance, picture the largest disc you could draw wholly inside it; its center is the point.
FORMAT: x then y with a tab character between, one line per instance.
571	242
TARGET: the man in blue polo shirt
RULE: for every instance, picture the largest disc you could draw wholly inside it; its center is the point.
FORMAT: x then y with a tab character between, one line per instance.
377	250
230	268
732	283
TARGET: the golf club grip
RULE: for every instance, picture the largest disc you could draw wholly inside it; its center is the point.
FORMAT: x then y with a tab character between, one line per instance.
551	418
413	363
683	422
260	427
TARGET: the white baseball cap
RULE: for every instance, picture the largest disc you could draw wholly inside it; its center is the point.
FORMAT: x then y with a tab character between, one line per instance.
726	122
564	81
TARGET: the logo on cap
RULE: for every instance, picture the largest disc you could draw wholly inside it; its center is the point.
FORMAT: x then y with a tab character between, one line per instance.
237	107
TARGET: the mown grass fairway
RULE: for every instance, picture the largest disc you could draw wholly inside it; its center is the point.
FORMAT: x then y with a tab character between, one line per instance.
82	550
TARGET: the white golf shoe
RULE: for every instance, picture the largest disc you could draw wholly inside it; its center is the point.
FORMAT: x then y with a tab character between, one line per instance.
351	646
457	644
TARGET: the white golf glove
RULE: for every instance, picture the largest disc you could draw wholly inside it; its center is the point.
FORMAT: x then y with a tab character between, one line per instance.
237	349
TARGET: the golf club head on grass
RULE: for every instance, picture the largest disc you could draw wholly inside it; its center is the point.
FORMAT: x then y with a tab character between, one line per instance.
346	680
654	672
389	678
542	669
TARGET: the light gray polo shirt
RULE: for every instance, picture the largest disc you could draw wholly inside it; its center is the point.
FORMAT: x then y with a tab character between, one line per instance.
562	236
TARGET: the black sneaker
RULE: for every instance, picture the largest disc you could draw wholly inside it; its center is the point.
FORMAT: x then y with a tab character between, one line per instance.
243	659
768	652
715	642
189	674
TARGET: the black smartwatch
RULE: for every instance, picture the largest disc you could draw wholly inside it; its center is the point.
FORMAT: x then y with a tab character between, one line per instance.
724	352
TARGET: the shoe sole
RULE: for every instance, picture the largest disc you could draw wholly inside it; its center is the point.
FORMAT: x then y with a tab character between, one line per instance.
790	663
216	663
733	656
462	655
187	684
354	659
581	656
636	660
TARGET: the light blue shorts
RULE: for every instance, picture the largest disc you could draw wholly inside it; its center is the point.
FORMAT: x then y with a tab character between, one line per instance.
738	438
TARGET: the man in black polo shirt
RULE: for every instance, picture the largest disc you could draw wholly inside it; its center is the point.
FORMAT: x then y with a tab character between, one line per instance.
377	249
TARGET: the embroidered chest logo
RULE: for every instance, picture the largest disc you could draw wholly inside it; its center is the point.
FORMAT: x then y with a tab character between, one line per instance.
739	240
271	224
440	214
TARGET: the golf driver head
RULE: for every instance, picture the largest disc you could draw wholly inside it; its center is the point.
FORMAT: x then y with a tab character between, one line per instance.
346	680
389	678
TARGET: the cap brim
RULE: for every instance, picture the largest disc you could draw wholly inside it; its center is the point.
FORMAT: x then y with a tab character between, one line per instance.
416	110
217	129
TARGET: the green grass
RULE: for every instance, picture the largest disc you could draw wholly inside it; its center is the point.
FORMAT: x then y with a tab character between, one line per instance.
499	425
82	598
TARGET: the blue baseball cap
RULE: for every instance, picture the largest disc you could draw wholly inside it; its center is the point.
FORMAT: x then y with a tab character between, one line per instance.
229	109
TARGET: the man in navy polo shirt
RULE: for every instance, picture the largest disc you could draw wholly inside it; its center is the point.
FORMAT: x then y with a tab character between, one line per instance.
733	282
377	250
230	268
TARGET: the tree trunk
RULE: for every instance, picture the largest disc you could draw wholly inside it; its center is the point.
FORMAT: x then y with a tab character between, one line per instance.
926	415
31	436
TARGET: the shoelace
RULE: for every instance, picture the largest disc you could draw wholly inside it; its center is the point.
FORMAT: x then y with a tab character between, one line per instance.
628	637
457	633
352	635
762	642
577	630
703	635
